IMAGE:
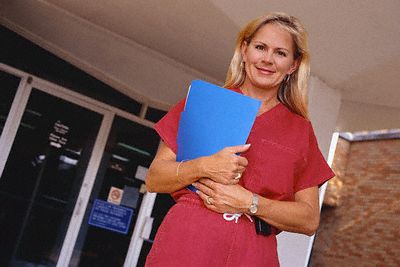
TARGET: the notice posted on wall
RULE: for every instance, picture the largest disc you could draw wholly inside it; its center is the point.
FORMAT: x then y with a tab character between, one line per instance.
109	216
115	195
59	136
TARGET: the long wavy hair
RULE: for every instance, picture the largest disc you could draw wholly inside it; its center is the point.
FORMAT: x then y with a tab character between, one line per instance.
293	89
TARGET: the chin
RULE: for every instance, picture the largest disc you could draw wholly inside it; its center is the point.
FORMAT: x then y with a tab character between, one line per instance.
266	86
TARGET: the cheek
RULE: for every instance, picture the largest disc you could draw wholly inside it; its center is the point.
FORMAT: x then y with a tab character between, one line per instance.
252	56
284	68
285	65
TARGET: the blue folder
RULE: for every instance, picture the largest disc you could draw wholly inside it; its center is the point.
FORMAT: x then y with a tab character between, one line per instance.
213	118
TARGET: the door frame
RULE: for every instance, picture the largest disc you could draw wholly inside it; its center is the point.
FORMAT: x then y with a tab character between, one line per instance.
108	112
14	118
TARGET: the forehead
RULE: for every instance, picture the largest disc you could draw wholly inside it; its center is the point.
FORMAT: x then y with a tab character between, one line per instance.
274	36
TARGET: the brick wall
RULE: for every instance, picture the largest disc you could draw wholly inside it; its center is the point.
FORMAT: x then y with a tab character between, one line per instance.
360	221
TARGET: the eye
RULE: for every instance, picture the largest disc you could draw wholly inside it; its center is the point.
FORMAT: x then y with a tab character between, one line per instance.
282	53
259	47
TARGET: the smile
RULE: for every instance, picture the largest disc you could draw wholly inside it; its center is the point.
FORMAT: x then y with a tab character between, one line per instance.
265	70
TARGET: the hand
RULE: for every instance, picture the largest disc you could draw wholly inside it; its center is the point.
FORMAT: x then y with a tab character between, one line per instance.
225	166
223	198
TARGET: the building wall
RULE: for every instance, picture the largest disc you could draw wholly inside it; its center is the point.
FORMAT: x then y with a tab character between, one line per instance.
127	66
364	227
352	117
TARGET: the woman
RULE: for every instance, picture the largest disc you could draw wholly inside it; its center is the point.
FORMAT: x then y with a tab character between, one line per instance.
274	180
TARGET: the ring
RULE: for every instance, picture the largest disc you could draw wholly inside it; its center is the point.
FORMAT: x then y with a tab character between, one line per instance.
209	200
238	176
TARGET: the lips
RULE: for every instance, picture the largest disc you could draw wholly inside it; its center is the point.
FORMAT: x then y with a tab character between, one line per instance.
265	70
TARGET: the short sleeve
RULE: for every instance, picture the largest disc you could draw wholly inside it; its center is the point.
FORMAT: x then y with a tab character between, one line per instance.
314	171
167	127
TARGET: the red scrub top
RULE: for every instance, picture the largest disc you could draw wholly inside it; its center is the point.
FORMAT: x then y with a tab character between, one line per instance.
283	158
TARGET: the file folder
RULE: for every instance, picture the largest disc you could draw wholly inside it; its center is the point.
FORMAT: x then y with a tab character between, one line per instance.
213	118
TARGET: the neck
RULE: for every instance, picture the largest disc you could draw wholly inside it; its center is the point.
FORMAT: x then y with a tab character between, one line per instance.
269	98
266	96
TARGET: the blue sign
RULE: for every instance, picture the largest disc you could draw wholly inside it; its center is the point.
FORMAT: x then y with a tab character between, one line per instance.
110	216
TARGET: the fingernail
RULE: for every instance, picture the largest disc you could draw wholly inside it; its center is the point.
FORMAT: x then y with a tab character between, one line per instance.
197	191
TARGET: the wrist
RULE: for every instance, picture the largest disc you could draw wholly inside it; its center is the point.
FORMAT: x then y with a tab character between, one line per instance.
254	205
201	167
246	203
186	172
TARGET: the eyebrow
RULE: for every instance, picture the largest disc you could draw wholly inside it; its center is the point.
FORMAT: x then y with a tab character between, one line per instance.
279	48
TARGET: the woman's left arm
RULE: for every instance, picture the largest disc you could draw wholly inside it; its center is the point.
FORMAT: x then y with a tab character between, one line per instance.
299	216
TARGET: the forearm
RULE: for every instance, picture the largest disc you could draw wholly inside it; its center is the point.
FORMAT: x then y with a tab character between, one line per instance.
291	216
300	215
167	176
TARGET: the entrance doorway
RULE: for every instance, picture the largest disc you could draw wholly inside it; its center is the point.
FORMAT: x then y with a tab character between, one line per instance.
71	177
41	179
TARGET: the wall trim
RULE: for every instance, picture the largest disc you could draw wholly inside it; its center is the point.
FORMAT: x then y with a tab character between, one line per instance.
372	135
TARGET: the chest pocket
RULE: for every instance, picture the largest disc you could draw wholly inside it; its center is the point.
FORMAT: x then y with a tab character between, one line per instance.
274	169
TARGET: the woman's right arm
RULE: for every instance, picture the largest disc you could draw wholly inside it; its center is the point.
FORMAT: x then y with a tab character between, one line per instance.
165	175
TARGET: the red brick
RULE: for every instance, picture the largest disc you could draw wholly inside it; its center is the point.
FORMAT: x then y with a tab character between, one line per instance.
364	228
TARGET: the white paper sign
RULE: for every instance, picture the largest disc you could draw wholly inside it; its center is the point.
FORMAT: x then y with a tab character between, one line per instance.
141	173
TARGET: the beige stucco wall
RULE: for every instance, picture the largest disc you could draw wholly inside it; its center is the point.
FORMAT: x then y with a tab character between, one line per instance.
355	116
131	68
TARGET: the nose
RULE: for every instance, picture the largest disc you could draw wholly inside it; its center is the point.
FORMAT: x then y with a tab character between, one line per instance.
268	56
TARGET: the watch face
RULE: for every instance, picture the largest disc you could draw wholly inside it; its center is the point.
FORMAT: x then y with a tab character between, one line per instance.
253	209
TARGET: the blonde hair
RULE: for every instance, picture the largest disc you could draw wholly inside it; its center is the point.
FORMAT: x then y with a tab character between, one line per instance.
293	89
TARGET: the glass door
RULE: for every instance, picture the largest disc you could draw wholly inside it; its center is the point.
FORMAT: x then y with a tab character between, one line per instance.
42	178
116	197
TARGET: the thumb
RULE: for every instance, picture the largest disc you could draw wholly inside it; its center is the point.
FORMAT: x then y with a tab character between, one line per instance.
240	149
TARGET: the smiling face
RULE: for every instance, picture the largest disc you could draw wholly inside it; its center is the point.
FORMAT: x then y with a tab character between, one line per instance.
268	58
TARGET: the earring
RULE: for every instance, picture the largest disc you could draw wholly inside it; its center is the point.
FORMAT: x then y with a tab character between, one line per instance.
286	82
287	79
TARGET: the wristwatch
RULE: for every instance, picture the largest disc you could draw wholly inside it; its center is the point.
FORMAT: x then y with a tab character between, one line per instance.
254	204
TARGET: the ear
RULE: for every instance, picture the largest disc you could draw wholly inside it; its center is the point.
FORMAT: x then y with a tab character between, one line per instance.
243	50
295	66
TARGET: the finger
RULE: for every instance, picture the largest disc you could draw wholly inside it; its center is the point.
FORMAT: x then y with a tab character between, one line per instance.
207	182
201	195
239	149
203	188
240	169
204	197
208	206
234	180
242	161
